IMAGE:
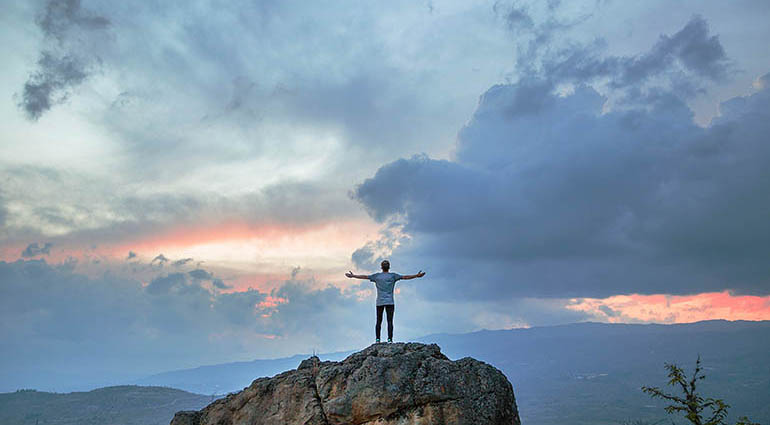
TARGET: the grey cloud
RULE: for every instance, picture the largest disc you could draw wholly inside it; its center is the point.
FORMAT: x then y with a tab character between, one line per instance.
48	85
200	274
61	16
534	37
168	324
3	211
96	328
219	283
181	262
66	61
34	249
560	199
692	49
518	17
161	259
695	48
68	265
131	255
371	255
364	257
165	284
682	62
48	197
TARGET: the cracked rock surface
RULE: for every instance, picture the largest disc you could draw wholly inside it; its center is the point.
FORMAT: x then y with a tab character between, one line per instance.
402	383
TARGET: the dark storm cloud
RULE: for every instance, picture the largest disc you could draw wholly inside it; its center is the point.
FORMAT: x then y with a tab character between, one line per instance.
34	249
551	196
65	62
161	259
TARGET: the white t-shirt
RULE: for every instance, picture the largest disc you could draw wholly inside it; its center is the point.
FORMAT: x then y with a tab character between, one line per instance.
385	283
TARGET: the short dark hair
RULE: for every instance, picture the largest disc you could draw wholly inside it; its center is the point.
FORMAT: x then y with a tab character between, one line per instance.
385	264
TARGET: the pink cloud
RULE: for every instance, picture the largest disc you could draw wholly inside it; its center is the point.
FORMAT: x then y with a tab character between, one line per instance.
674	308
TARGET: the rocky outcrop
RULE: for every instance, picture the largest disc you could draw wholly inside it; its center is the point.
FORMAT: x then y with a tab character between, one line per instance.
403	383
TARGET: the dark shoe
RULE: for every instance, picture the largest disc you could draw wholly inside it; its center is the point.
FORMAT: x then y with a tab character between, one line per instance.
390	340
377	341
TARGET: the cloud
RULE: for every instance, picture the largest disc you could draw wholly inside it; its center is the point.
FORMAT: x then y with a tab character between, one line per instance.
684	62
219	283
165	284
34	249
60	17
65	62
371	255
97	327
161	259
181	262
551	195
131	255
48	206
692	51
3	211
200	274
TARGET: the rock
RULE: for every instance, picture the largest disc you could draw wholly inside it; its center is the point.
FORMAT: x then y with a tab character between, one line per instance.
402	383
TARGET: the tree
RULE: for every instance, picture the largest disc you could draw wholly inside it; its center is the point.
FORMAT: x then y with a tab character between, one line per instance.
690	403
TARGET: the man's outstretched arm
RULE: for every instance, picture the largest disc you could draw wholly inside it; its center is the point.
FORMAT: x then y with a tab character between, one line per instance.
412	276
356	276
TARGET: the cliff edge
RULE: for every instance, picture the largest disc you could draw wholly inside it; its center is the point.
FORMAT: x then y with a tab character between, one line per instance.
401	383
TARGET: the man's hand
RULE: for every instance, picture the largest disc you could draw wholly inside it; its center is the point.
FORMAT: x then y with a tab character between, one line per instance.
413	276
349	274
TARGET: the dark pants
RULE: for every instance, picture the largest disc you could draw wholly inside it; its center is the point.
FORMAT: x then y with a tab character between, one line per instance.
389	309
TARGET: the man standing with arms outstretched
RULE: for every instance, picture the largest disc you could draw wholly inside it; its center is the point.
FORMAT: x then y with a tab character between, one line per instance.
385	282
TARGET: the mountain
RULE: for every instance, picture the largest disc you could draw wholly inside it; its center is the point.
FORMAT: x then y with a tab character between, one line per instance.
124	405
386	384
591	373
228	377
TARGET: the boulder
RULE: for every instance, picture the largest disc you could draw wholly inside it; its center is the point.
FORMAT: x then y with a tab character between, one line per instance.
401	383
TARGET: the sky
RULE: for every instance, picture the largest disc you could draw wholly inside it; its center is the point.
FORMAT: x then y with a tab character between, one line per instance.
186	183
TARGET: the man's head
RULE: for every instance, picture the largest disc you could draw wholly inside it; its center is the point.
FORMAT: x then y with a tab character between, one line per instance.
385	265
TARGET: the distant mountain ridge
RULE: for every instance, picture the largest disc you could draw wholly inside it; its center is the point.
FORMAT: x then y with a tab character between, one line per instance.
124	405
229	377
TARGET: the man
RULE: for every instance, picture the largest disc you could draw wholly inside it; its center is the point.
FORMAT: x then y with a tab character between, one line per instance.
385	283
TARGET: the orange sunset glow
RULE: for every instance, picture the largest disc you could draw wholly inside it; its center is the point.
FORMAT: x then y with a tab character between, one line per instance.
661	308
